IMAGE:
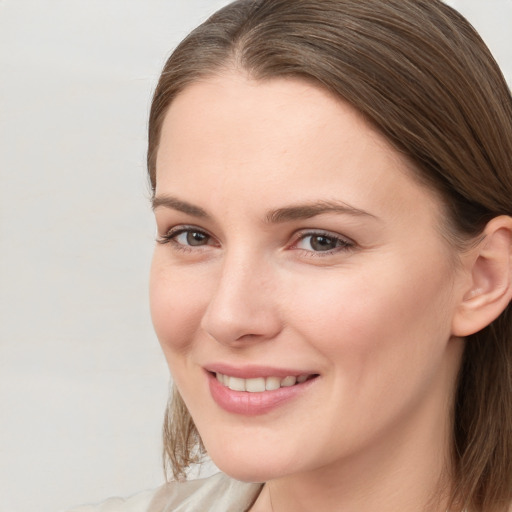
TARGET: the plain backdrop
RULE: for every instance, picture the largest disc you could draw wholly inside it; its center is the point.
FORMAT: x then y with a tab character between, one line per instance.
83	384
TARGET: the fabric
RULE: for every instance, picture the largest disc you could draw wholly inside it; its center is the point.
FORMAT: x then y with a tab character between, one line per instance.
218	493
138	503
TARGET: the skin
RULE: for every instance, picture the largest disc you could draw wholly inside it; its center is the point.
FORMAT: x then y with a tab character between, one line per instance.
372	317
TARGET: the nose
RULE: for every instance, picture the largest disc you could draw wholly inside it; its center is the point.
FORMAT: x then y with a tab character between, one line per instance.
244	306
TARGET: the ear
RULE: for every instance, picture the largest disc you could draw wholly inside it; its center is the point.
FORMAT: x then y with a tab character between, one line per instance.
488	289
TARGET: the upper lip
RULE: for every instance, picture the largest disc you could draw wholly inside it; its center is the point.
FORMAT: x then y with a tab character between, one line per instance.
254	371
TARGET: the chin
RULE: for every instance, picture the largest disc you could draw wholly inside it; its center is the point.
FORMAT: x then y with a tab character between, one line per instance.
244	472
251	465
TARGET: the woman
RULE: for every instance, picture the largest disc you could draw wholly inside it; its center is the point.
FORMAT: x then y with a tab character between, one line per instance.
331	285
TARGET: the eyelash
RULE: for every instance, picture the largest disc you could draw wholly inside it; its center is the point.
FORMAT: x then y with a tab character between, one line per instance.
171	238
342	244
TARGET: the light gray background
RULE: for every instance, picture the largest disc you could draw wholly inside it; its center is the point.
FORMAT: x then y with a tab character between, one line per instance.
83	384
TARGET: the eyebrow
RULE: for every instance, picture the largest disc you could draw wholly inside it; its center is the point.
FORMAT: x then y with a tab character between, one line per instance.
177	204
306	211
280	215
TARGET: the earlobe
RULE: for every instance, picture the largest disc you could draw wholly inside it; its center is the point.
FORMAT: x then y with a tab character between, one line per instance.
489	288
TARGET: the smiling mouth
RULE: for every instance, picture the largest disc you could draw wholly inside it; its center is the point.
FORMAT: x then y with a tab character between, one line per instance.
260	384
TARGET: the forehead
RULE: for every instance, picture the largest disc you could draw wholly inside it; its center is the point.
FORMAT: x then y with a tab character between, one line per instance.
256	107
281	134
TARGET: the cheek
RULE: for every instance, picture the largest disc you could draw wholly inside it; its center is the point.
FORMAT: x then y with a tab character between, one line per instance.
382	336
177	302
378	316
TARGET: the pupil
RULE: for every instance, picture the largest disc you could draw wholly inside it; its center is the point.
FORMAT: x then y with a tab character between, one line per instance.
195	238
322	243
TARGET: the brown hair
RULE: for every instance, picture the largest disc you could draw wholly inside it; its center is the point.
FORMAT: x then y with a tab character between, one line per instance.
422	76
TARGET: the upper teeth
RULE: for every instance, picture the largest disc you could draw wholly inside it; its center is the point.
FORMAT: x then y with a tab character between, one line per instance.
259	384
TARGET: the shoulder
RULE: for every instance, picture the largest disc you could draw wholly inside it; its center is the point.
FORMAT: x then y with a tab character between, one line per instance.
136	503
218	493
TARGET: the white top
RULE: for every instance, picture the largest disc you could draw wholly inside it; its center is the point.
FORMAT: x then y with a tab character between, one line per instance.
218	493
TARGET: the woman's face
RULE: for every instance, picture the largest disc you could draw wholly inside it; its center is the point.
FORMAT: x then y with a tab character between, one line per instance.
302	292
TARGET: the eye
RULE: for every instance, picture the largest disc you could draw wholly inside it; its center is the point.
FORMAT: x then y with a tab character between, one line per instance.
322	242
186	237
192	238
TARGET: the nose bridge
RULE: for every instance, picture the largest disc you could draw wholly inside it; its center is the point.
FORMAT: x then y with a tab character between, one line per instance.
242	305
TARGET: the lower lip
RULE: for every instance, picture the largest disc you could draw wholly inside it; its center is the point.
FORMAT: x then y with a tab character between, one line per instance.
253	404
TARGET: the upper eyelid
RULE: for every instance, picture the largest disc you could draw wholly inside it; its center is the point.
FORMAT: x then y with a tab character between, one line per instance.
303	233
169	235
181	228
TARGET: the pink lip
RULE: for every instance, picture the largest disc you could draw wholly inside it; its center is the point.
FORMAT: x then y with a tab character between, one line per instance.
253	404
